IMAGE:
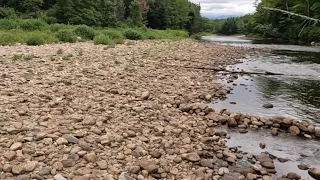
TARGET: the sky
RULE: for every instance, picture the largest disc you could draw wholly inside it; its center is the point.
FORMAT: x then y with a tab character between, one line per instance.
225	8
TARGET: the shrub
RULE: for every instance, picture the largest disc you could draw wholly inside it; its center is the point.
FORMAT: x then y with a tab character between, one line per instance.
67	57
7	38
66	36
85	32
150	35
35	40
32	24
196	36
132	34
6	12
102	39
8	24
60	51
113	34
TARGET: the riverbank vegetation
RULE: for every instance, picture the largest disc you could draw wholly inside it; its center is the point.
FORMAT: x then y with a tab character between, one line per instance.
48	21
268	22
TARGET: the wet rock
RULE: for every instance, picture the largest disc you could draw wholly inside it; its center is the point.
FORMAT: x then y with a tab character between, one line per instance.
16	146
193	157
207	163
283	160
220	133
287	121
268	105
262	145
274	131
292	175
302	127
268	165
103	164
294	130
232	122
223	171
243	131
59	177
315	173
303	167
263	158
266	178
149	165
317	132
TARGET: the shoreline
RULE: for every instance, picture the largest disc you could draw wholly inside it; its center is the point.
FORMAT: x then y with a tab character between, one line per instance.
127	112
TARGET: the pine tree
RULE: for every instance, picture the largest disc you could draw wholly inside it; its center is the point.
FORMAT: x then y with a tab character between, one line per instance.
135	15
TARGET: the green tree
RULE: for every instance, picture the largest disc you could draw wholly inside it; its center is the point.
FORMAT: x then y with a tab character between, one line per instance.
135	15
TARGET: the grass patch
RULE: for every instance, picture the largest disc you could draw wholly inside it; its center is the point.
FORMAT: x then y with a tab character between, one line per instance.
18	57
35	40
67	57
102	39
59	51
66	36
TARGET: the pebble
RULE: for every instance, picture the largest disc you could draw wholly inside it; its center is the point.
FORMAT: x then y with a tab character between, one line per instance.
223	171
134	169
10	155
70	138
262	145
251	176
303	167
59	177
103	164
91	157
16	146
193	157
268	105
292	175
30	166
294	130
61	141
145	95
274	131
155	154
149	165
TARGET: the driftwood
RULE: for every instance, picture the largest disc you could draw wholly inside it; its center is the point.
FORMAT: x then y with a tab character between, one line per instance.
225	70
294	14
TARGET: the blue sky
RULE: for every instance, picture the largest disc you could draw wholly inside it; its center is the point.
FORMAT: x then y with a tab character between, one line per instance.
225	8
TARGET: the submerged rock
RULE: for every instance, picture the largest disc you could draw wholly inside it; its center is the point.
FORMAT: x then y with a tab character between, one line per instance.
315	173
268	105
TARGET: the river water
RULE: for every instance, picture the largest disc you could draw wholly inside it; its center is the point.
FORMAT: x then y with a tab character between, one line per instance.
295	94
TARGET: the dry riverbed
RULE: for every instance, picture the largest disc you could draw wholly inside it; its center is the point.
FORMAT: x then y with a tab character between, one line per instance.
82	111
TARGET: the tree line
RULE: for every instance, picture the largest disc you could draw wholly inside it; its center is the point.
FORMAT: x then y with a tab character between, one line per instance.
277	24
156	14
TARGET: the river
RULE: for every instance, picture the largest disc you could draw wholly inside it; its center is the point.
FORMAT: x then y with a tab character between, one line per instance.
295	94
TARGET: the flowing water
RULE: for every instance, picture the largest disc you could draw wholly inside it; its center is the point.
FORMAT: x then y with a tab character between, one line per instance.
295	94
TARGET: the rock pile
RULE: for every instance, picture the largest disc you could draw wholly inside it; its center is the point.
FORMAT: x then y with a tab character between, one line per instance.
122	113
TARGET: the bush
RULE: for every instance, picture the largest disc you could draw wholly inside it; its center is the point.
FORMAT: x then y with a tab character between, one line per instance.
35	40
7	39
197	36
85	32
102	39
113	34
66	36
150	35
32	24
132	34
8	24
7	13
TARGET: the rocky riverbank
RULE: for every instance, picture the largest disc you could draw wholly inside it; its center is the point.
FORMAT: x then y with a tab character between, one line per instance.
137	111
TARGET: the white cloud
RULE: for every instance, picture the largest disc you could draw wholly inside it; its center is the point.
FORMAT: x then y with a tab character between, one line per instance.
225	8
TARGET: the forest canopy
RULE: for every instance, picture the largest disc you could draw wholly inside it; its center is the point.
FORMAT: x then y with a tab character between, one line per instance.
156	14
